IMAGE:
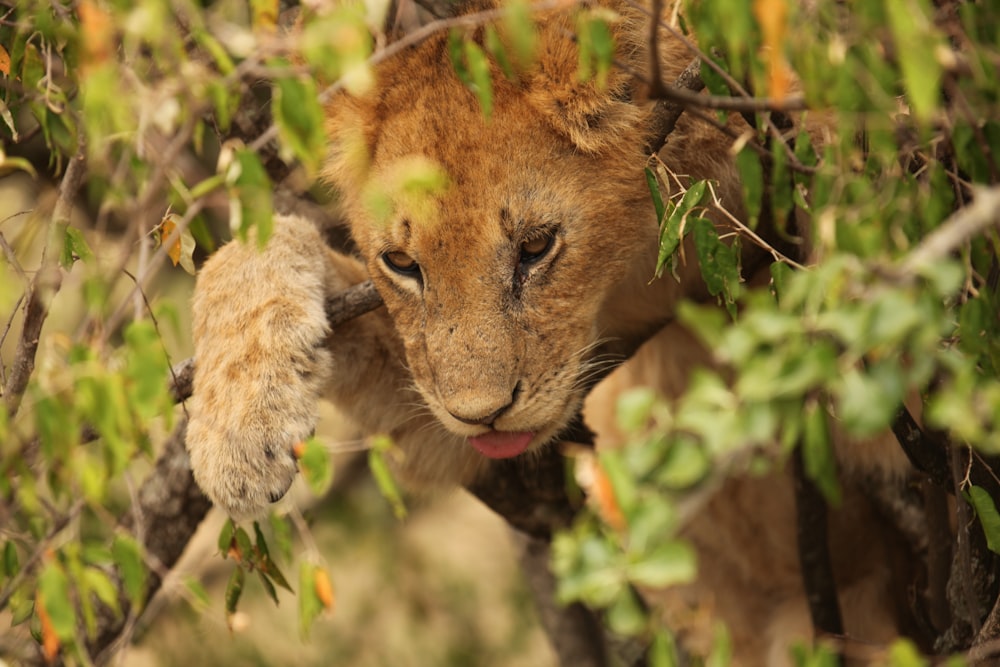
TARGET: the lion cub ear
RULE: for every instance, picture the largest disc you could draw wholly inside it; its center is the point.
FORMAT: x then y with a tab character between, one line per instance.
593	116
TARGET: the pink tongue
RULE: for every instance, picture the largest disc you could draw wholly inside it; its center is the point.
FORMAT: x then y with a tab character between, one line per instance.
502	444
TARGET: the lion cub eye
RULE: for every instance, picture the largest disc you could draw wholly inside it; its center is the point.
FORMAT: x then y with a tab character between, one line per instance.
401	263
534	249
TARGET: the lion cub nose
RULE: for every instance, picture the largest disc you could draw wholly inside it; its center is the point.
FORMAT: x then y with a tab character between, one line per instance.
488	418
485	420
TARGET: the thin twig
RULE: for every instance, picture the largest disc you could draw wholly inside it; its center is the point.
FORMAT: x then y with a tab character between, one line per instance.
751	234
45	284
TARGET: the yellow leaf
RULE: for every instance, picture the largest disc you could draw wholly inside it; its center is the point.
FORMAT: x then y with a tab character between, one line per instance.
772	15
265	14
324	589
4	61
167	227
50	640
97	31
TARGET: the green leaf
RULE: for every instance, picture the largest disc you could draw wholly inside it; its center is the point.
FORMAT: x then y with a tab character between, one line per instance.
634	408
261	543
383	446
299	117
986	510
626	616
243	545
675	225
479	73
781	273
903	653
11	566
234	589
916	43
53	587
519	29
718	262
496	49
146	370
250	193
663	650
74	247
281	529
268	586
596	45
201	599
686	464
98	583
310	606
266	566
316	466
128	556
226	537
752	180
817	453
654	192
669	564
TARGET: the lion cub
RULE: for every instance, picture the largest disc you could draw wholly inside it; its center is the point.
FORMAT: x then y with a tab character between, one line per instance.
502	291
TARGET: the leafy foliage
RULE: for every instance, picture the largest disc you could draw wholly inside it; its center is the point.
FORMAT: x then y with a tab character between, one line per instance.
138	103
875	317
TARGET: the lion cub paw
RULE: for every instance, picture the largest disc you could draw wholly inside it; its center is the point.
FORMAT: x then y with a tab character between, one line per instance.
261	361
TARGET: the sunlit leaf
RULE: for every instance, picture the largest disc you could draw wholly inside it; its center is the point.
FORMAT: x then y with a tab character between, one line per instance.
669	564
299	118
250	196
181	249
54	603
915	40
479	75
382	447
316	465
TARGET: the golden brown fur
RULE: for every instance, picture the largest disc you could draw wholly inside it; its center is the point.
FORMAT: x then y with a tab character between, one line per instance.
480	328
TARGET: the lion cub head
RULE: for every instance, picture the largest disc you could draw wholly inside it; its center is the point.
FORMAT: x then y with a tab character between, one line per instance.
499	280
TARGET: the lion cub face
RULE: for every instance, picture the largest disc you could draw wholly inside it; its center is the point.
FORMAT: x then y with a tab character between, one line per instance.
496	281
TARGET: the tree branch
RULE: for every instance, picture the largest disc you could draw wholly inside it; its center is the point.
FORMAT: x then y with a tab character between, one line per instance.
814	552
978	216
44	286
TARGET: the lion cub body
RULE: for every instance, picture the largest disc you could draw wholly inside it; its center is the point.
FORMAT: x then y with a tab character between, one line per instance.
478	335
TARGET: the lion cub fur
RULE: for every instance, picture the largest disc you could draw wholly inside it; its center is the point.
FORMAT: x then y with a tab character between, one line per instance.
476	328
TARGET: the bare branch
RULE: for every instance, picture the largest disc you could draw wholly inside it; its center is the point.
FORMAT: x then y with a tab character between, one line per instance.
814	552
981	214
667	113
44	286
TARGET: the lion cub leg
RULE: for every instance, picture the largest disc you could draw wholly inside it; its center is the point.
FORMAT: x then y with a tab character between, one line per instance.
260	333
